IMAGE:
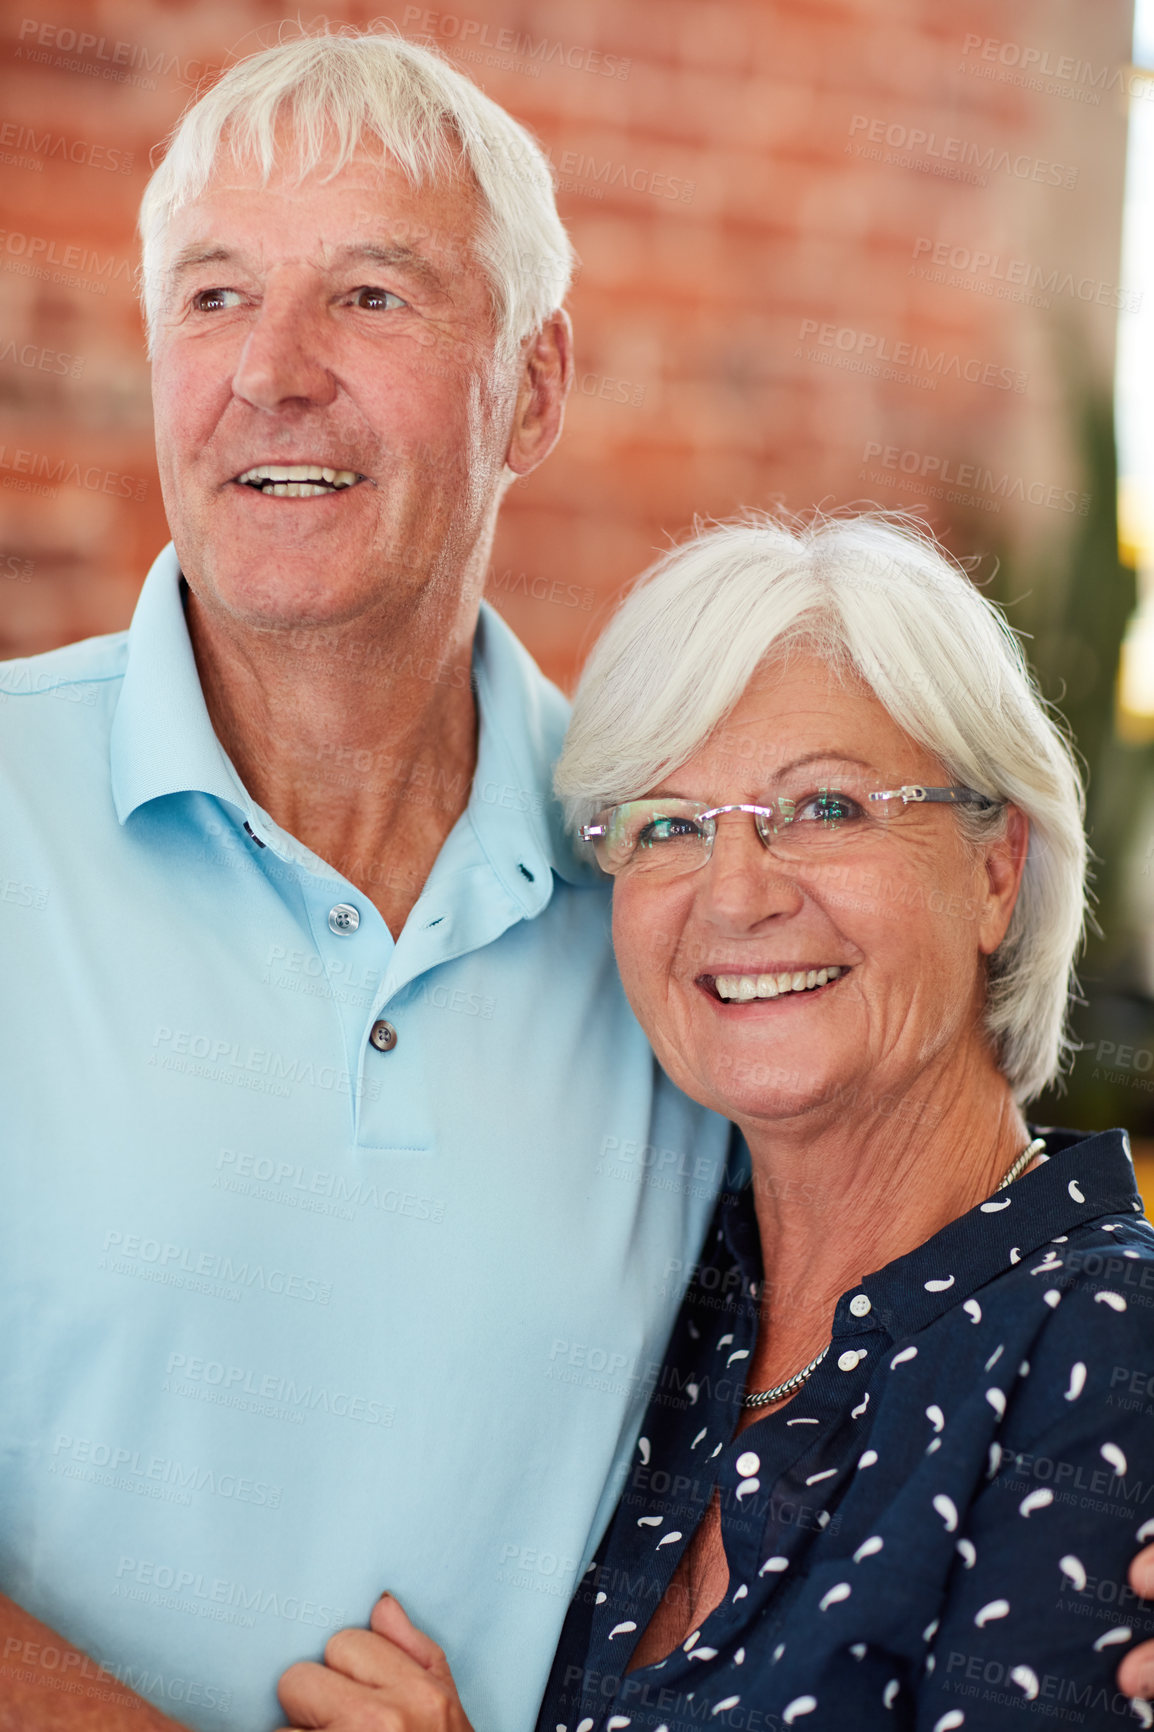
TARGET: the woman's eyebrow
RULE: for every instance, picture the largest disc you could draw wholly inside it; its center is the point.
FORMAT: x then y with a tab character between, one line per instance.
823	757
667	793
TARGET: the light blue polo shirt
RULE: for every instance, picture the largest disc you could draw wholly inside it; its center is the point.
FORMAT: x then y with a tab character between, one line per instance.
286	1319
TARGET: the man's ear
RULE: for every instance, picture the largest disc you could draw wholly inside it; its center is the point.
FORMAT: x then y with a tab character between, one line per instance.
546	375
1005	861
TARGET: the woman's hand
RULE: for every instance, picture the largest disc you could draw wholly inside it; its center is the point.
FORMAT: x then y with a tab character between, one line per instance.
1136	1673
388	1678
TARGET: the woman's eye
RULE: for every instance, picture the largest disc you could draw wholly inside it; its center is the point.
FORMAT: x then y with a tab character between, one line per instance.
212	300
828	807
668	830
376	300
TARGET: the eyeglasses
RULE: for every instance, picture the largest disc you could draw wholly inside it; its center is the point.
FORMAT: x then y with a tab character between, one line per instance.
671	837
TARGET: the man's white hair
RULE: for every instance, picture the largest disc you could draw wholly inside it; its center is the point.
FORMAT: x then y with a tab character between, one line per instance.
348	89
878	598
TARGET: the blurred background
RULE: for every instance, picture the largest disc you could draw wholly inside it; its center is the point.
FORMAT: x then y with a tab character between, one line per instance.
831	253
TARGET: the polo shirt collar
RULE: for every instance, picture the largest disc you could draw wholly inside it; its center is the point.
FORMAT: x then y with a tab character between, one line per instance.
523	719
163	741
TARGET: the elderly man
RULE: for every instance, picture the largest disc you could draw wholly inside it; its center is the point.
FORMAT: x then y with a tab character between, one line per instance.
346	1213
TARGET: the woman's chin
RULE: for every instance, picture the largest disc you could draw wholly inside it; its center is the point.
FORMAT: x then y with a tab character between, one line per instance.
767	1092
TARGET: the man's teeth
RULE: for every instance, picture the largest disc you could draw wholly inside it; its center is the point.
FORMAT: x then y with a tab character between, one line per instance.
741	988
297	480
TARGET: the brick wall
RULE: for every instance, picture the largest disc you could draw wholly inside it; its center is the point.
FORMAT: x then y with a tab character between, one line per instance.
830	252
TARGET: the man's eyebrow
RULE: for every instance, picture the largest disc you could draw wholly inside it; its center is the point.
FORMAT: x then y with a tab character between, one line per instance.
389	255
392	255
198	253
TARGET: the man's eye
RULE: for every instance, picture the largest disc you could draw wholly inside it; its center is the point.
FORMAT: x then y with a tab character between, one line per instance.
212	300
376	300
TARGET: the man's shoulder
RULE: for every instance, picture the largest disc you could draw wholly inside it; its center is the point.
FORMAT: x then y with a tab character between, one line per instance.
56	712
517	694
92	661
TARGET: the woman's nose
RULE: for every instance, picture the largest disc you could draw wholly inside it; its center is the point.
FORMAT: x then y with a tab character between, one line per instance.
742	882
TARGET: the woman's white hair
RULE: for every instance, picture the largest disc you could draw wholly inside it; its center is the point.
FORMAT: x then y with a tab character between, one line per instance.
876	596
348	89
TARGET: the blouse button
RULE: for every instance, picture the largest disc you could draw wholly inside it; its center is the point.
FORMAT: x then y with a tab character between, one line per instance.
859	1305
847	1361
383	1036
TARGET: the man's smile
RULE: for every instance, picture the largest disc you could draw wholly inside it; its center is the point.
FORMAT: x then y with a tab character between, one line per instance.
297	480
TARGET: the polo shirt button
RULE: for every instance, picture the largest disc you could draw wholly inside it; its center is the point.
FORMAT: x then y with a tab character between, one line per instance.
847	1361
383	1036
344	919
860	1306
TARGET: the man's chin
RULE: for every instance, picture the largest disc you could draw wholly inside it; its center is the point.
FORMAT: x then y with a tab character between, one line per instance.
278	594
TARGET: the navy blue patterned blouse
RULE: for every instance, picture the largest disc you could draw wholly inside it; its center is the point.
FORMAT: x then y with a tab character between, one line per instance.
935	1532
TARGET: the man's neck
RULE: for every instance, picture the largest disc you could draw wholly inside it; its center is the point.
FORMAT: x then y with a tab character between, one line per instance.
359	740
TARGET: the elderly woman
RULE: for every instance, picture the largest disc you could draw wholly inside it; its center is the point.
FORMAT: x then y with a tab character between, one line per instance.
883	1480
886	1483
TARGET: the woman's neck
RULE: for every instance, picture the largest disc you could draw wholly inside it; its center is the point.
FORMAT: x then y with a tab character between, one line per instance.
843	1190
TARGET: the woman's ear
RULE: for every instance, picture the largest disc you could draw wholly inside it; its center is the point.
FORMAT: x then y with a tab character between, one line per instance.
1004	860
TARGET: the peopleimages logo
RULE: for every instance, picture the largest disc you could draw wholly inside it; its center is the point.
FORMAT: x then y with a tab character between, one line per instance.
891	141
36	472
1042	69
122	62
35	357
875	349
1008	278
969	483
49	262
76	150
534	51
231	1385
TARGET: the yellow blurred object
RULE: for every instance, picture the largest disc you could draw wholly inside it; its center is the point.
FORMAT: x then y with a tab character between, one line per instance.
1135	522
1134	717
1143	1151
1134	694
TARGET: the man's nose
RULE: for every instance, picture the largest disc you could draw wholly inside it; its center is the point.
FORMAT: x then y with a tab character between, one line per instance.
284	360
742	882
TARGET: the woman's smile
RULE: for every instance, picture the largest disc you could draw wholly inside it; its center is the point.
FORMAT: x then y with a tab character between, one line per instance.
794	980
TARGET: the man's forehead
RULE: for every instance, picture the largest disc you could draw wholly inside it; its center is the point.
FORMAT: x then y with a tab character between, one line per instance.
362	205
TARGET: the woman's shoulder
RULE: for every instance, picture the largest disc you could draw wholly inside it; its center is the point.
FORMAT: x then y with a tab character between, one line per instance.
1037	1298
1073	1227
1077	1320
1095	1271
1098	1280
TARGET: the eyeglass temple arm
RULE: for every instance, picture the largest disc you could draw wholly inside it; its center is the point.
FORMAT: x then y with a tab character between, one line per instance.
956	796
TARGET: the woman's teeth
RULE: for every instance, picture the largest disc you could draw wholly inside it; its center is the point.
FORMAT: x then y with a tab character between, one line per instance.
742	988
